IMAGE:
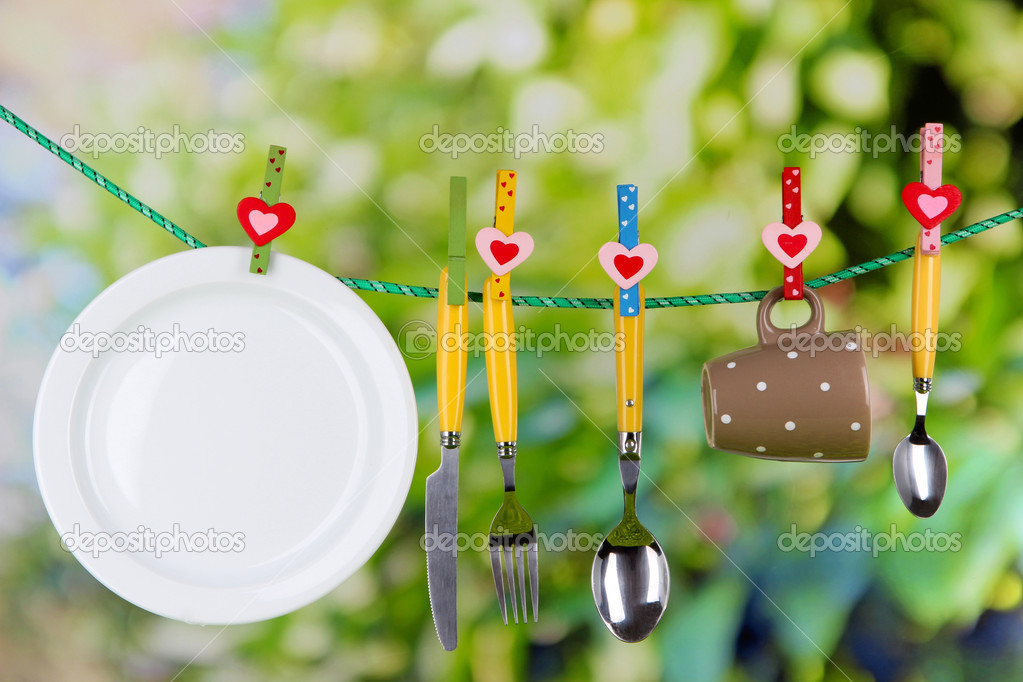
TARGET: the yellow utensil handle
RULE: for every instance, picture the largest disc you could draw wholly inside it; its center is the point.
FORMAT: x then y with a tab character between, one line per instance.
629	365
452	330
499	330
926	295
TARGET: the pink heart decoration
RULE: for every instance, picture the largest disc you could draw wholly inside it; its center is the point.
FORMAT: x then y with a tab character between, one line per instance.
791	245
262	222
501	252
626	267
931	206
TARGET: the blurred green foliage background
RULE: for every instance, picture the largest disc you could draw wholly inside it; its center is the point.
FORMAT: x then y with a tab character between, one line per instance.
691	100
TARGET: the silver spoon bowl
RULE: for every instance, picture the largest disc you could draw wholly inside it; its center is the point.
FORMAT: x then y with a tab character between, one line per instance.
919	467
630	573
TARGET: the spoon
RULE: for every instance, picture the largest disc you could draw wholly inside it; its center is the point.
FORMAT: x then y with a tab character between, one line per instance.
630	573
919	465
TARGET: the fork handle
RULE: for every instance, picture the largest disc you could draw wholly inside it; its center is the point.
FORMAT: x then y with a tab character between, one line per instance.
629	365
502	382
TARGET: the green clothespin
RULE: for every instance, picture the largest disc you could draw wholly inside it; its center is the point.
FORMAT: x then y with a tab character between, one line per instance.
270	194
456	242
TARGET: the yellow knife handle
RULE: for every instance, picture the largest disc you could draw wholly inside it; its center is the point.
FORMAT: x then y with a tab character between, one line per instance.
499	331
926	295
452	356
629	365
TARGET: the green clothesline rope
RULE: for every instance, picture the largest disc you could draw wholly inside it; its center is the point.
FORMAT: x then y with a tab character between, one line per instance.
532	301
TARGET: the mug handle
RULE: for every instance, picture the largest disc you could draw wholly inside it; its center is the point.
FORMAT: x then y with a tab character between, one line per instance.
769	334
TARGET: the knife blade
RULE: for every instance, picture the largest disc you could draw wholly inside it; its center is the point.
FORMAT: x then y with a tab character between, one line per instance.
441	557
442	485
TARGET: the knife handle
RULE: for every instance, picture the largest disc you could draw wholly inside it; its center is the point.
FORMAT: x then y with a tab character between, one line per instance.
629	365
502	382
452	336
924	321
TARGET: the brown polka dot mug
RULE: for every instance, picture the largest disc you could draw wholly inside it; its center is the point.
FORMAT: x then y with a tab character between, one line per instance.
801	394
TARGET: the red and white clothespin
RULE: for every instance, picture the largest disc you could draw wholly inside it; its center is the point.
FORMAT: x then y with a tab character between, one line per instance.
929	201
793	239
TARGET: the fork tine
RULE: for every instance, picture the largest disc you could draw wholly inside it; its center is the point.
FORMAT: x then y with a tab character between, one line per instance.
520	561
509	569
534	577
495	564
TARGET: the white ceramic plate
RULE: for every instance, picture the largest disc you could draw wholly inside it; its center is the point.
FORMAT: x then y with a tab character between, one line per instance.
294	442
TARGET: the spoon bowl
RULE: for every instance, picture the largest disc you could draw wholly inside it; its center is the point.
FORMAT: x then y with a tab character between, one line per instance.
630	573
921	471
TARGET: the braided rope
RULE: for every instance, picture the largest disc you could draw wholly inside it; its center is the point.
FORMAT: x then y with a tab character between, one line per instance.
530	301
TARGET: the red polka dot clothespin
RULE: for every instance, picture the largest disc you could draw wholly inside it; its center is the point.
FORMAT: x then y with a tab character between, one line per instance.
929	201
793	239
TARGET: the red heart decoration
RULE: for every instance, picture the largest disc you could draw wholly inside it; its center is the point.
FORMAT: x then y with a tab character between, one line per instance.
503	251
281	152
628	266
264	223
792	243
931	206
504	184
511	175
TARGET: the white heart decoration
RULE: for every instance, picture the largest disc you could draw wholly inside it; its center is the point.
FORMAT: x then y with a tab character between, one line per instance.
262	222
775	231
485	239
611	250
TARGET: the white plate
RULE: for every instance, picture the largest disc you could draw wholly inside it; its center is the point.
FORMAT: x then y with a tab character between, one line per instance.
301	437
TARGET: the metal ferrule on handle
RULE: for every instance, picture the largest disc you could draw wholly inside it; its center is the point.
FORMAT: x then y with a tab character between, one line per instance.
629	444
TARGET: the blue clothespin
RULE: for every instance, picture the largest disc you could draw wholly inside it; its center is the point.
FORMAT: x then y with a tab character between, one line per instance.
628	236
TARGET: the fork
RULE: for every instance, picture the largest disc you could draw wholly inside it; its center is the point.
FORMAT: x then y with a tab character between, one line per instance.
512	533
